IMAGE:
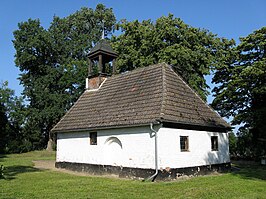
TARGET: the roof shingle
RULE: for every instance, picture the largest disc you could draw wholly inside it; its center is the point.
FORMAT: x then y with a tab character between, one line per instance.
139	97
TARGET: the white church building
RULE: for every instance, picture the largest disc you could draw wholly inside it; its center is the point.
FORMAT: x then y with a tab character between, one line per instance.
147	123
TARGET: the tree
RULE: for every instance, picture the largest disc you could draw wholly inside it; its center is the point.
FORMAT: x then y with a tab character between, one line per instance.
3	125
191	51
241	88
232	145
53	65
11	121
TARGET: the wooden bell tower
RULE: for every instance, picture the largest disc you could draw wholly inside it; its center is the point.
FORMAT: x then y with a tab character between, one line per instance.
101	64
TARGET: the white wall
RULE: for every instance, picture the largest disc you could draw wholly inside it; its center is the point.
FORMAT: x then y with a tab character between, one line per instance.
136	148
199	153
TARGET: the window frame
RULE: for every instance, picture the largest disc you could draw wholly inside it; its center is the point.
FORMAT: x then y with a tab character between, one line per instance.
184	141
214	143
93	138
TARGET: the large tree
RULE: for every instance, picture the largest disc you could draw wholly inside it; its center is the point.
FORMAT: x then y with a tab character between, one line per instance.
53	65
191	51
241	88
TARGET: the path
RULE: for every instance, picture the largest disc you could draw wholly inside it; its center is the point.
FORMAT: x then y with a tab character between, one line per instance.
50	165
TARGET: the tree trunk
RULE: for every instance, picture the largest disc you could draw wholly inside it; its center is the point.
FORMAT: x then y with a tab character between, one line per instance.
50	145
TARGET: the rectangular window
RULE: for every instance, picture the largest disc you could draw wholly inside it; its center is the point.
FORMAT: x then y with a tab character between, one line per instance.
184	143
214	140
93	138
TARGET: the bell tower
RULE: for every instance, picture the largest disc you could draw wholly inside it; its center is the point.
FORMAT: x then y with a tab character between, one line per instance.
101	64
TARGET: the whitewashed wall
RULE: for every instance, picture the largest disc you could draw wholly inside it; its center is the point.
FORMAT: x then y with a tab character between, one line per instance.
199	153
135	148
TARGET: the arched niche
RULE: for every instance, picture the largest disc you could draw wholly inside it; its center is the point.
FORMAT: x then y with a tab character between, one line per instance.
113	140
113	152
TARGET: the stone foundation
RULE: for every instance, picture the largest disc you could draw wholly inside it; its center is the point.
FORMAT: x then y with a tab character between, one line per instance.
138	173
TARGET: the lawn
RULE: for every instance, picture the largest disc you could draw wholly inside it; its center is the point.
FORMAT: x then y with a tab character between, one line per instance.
22	180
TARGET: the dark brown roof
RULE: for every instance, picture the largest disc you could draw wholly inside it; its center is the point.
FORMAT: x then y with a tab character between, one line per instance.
103	46
145	95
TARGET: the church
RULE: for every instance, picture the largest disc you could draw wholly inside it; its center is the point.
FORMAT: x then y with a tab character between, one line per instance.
143	124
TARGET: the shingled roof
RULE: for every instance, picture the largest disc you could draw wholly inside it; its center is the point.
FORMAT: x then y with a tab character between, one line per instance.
145	95
102	46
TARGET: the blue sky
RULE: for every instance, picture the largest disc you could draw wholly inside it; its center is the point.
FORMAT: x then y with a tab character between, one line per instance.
227	18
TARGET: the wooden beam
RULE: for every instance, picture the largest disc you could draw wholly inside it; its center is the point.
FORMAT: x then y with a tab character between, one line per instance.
114	67
100	67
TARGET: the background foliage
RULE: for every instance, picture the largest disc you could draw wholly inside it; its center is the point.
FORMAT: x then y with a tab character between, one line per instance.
191	51
241	91
12	136
53	65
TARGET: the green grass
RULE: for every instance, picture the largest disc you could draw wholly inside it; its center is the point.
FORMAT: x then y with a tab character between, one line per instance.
22	180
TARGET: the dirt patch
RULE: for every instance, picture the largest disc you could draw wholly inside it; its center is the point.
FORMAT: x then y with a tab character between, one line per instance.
50	165
45	164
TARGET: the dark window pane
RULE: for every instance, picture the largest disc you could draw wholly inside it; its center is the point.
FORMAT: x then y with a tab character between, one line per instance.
184	143
214	143
93	138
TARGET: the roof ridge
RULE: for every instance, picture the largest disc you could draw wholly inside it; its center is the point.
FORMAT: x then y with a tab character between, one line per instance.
164	91
136	70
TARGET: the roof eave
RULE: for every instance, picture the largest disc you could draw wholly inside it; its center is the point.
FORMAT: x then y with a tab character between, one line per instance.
104	127
165	123
96	53
194	126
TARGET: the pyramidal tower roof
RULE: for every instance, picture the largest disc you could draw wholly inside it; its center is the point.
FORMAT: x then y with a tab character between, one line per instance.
103	46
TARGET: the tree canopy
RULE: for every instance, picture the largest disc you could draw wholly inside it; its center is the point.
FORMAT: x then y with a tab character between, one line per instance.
191	51
53	65
241	88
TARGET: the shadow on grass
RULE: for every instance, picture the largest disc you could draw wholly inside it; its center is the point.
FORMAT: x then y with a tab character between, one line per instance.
1	166
11	172
249	171
1	157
